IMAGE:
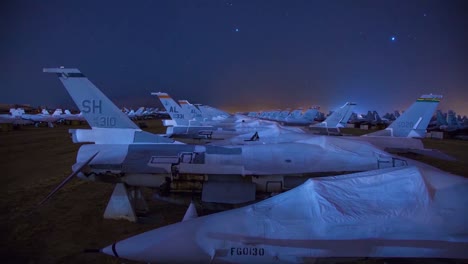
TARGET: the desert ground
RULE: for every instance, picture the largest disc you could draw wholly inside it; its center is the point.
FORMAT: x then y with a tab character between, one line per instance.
35	160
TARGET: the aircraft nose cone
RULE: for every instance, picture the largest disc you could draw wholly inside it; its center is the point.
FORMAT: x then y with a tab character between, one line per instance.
110	250
170	244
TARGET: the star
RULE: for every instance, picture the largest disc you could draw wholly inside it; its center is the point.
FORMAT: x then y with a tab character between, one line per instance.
236	30
393	38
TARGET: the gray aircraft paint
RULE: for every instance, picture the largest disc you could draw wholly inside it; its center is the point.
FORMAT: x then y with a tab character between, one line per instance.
339	117
98	110
414	121
326	155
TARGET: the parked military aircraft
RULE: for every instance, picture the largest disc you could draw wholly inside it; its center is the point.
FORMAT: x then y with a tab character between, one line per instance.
405	212
44	117
332	124
72	117
403	135
399	137
13	118
188	120
136	114
124	154
299	118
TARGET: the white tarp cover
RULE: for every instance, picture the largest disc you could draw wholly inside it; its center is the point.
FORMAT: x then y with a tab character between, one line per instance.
397	212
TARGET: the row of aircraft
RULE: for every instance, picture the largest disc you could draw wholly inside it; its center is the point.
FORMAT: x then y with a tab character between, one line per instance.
384	206
187	120
18	116
449	121
144	113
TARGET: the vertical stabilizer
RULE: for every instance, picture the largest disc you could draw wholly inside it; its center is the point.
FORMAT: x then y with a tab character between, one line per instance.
57	112
339	118
173	109
441	119
97	109
140	110
310	114
414	121
193	112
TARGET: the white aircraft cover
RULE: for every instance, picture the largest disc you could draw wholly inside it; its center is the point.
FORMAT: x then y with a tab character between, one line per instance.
396	212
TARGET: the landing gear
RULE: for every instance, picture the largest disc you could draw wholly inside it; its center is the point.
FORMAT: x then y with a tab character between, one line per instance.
125	203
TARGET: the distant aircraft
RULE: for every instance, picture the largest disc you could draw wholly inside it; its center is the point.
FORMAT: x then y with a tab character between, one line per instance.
186	120
441	120
189	120
14	117
298	118
192	111
405	212
136	114
414	121
44	117
71	117
287	117
398	137
453	123
336	120
125	155
372	118
403	135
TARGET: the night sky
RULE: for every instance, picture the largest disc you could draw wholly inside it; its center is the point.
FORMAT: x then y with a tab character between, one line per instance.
239	55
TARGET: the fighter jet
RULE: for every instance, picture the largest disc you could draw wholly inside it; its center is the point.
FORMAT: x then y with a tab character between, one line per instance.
13	117
44	117
72	117
136	114
125	155
403	135
405	212
297	118
332	124
451	123
188	120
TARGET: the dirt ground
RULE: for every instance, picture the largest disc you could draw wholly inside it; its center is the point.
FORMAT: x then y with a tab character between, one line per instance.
34	160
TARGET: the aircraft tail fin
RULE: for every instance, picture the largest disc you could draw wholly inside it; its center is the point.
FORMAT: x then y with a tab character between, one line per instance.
16	111
194	113
414	121
173	108
377	117
310	114
452	119
97	109
57	112
441	119
140	110
45	112
339	118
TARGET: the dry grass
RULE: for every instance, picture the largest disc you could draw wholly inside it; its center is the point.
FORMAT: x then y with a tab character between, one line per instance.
34	160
